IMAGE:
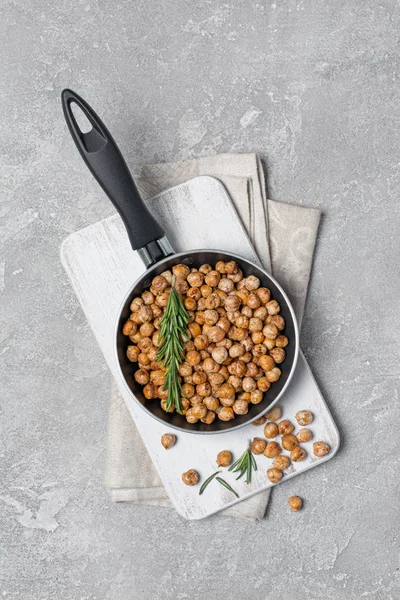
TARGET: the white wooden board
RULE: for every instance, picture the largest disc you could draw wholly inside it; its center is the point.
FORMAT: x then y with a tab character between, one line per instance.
102	268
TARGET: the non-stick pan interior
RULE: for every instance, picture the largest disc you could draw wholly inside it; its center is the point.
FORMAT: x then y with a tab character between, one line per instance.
195	259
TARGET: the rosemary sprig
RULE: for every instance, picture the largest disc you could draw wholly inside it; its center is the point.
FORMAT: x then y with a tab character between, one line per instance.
173	334
244	465
228	487
207	481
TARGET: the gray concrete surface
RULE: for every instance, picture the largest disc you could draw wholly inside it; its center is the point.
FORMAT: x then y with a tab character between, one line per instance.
314	87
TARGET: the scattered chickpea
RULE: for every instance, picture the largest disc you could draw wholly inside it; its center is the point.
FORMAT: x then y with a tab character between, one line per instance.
304	417
304	435
321	449
274	475
282	462
298	454
257	446
168	440
285	427
295	503
289	441
224	458
190	477
272	450
271	430
274	414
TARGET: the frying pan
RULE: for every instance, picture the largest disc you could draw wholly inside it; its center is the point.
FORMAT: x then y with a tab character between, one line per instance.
147	237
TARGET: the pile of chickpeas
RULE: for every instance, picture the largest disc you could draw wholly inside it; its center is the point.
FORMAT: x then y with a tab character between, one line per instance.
235	344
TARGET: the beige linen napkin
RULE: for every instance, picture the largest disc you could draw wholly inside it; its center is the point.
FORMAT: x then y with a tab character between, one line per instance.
284	237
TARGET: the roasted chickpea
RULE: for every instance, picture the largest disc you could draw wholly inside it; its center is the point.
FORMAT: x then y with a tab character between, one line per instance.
211	402
163	405
247	312
236	350
145	314
196	399
259	350
199	410
242	322
273	375
236	277
194	293
226	413
157	311
264	294
193	357
146	330
168	440
199	377
188	390
206	268
129	327
263	384
256	396
203	389
195	279
259	421
158	377
249	384
216	379
181	271
144	344
132	352
211	316
270	430
212	278
209	418
232	303
277	320
194	329
190	477
220	267
136	304
238	334
257	446
252	283
274	475
148	297
269	343
162	299
231	267
304	435
281	462
272	450
181	286
149	391
321	449
253	301
285	427
219	355
255	324
143	360
298	454
206	291
295	503
272	307
226	391
232	316
278	354
185	369
266	363
190	304
224	458
304	417
247	344
216	334
224	324
226	285
246	357
281	341
244	396
270	331
289	441
190	417
238	368
142	376
240	407
260	313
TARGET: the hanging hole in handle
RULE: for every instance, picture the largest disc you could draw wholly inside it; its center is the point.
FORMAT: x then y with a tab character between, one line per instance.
81	119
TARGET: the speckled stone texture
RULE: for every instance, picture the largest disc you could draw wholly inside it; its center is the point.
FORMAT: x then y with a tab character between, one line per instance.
314	87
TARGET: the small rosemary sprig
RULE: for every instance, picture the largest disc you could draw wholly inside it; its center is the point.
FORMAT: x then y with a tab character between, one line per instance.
226	484
207	481
244	465
173	334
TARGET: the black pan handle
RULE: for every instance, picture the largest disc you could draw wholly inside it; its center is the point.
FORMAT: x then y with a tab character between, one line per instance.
105	161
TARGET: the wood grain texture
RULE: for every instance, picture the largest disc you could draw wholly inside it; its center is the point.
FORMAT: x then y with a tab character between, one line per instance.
102	267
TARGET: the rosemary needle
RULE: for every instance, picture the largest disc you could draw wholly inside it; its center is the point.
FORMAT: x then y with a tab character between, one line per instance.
226	484
173	334
207	481
244	465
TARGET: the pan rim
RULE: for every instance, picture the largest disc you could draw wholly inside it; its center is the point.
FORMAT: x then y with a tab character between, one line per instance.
238	258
